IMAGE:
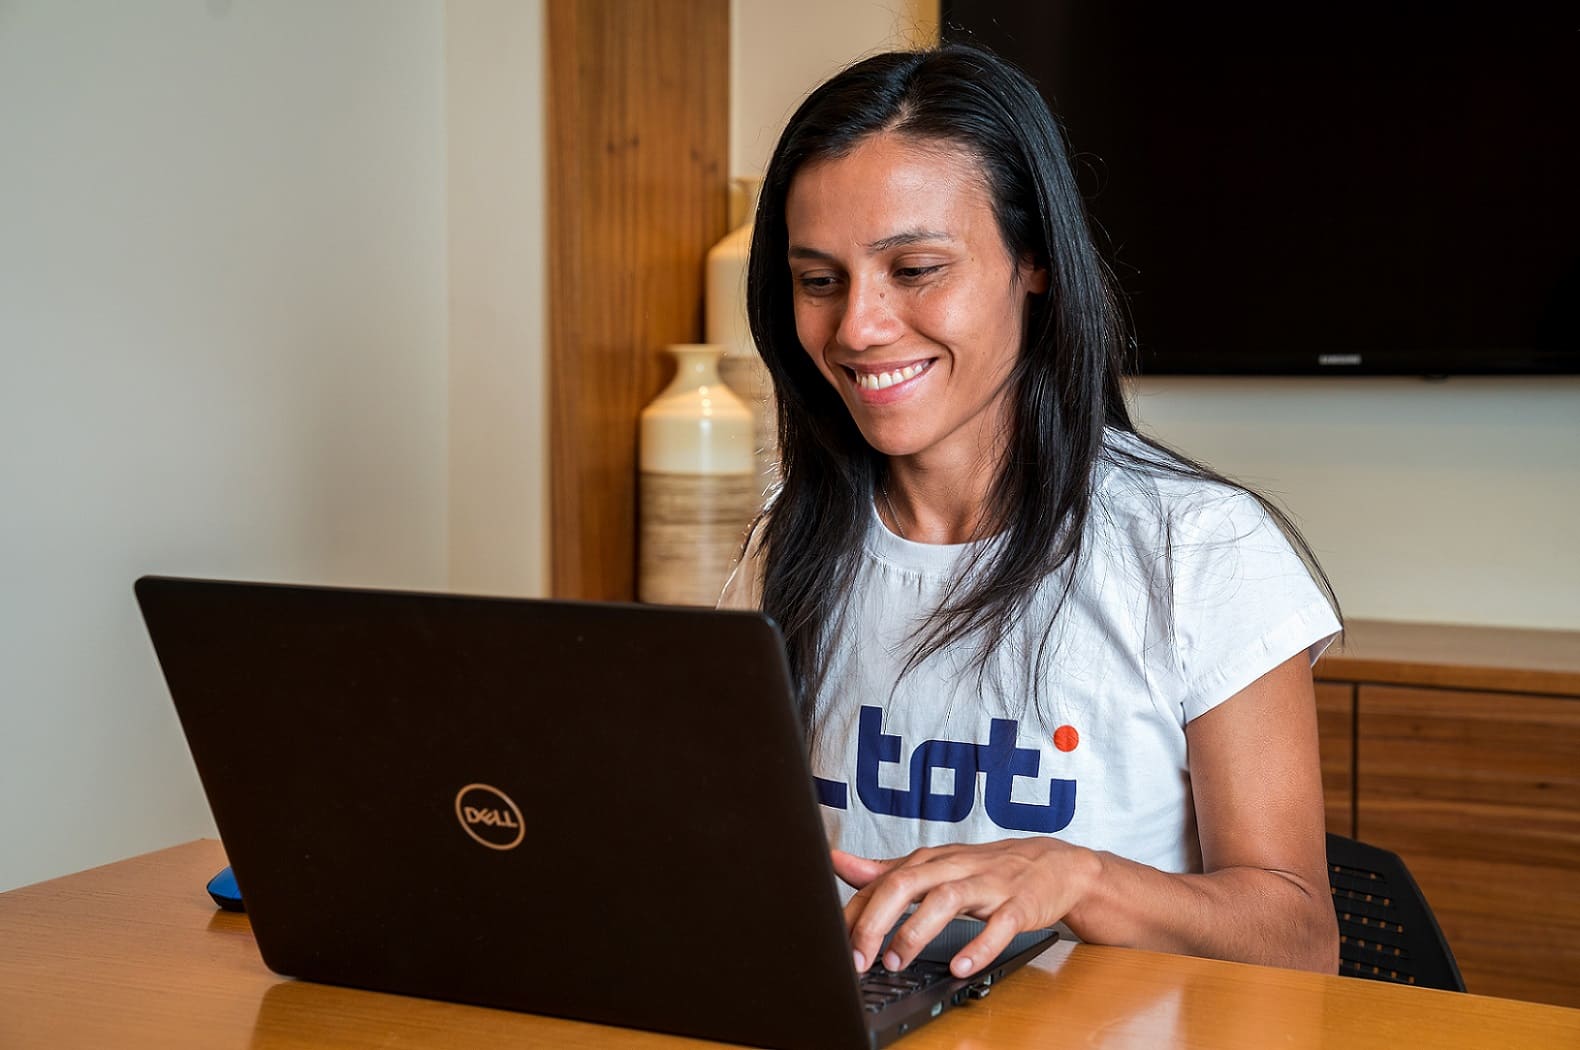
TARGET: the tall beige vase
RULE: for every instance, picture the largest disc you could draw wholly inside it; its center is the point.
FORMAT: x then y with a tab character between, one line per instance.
698	482
726	326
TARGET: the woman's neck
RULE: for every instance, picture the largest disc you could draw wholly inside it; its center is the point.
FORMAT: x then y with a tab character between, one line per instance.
941	496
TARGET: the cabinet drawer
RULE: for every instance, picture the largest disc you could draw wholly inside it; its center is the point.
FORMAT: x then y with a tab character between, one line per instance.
1480	794
1336	741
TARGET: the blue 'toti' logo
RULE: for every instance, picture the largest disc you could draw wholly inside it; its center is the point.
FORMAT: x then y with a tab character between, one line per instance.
999	759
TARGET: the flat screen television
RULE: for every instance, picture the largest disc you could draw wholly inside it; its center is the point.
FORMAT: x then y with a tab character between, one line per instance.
1351	187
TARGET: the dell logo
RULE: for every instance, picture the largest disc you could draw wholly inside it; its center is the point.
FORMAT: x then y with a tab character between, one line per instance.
489	816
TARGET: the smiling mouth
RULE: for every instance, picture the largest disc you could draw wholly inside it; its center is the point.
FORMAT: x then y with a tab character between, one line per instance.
884	380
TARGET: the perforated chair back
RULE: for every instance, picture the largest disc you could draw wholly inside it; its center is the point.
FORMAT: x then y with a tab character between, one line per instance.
1386	929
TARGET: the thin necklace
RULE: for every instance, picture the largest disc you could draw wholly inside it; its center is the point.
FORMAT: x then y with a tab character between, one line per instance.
887	502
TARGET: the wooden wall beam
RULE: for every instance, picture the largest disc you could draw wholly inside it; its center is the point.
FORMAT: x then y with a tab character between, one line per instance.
638	171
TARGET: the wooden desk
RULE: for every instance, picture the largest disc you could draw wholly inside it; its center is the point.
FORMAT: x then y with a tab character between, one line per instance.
133	955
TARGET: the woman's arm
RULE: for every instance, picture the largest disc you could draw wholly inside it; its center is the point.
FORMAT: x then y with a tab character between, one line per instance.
1263	896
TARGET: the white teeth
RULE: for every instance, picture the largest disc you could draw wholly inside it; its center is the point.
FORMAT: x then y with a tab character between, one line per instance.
880	380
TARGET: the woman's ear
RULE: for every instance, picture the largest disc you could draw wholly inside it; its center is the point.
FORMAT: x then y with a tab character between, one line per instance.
1034	276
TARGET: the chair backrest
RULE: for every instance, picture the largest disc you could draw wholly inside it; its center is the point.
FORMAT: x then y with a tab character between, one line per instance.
1386	929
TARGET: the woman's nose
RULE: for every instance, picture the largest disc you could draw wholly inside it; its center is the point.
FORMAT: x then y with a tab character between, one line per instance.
869	319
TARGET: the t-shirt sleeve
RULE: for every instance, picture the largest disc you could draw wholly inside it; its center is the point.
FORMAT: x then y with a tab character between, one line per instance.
1243	602
744	587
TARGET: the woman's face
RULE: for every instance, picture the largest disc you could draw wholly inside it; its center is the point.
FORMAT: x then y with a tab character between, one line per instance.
906	295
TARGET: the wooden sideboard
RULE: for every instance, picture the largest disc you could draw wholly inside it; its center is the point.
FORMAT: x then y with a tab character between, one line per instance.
1459	749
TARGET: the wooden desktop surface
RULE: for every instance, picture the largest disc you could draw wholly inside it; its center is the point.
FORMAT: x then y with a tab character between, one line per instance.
134	955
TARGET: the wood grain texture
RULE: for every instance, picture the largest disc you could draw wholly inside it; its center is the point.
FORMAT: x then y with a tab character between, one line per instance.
638	166
134	956
1506	659
1480	794
1336	742
692	529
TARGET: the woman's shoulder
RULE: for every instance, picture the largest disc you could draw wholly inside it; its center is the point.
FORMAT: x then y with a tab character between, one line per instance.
743	589
1148	492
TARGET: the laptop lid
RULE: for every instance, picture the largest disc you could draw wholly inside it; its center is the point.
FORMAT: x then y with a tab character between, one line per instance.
589	810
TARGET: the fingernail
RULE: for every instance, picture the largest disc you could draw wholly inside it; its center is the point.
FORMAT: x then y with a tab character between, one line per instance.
961	966
861	961
892	961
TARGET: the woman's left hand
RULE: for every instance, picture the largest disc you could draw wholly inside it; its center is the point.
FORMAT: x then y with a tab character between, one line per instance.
1013	885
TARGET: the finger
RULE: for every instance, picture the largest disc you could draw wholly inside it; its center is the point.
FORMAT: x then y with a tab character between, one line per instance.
1001	928
878	906
937	908
863	948
860	873
857	871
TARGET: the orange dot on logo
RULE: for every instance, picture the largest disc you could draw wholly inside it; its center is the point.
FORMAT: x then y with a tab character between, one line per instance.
1065	738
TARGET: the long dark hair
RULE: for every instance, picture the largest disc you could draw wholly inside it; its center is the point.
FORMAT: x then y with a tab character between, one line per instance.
1065	390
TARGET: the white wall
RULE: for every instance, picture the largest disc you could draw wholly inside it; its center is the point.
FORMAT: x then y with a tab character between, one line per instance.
779	52
1446	501
222	352
1450	501
499	420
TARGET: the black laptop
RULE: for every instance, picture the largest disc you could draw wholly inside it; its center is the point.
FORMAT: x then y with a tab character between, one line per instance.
596	811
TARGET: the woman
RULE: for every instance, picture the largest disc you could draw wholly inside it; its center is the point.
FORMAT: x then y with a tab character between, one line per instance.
1051	672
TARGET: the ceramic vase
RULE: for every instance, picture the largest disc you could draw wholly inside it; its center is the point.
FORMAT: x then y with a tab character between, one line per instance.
699	482
742	366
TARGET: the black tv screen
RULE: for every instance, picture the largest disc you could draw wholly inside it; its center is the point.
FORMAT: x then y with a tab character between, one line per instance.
1338	188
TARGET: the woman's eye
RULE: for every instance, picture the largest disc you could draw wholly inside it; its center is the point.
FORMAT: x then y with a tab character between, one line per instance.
815	283
912	273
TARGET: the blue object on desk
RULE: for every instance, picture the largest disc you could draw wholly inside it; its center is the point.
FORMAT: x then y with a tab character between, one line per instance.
225	892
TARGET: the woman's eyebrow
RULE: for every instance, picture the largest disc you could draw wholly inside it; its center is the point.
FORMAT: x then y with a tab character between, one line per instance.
898	240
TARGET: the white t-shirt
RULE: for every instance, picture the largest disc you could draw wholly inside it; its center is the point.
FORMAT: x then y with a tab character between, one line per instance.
1186	593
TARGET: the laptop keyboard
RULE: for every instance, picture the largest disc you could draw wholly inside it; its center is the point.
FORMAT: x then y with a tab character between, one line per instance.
880	987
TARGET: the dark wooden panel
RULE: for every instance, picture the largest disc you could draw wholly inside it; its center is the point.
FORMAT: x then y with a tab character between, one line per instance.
1480	794
638	170
1504	659
1336	741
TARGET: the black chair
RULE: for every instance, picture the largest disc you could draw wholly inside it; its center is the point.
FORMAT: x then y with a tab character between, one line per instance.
1386	929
